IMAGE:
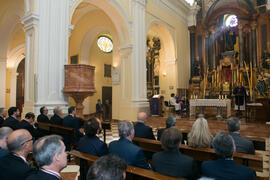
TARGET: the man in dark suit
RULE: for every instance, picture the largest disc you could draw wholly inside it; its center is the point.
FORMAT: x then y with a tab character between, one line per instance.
15	165
56	118
3	114
50	155
108	167
90	143
43	117
28	124
242	144
141	130
132	154
4	133
171	162
170	122
71	121
225	168
11	121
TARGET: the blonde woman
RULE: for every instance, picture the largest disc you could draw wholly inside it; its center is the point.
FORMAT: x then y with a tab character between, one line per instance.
200	136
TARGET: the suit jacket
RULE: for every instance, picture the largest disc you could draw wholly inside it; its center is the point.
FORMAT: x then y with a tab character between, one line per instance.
11	122
173	163
3	154
73	122
14	168
132	154
159	133
33	131
1	121
55	119
43	118
41	175
92	145
143	131
223	169
242	144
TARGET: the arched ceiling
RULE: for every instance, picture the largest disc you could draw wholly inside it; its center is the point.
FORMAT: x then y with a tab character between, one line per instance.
226	6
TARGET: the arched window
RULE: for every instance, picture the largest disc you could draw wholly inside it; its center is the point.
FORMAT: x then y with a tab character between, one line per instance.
231	21
105	43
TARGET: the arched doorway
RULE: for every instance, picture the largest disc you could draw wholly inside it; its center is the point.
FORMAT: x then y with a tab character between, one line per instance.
20	85
161	61
105	20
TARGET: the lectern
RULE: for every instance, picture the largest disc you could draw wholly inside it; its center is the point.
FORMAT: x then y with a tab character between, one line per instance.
79	84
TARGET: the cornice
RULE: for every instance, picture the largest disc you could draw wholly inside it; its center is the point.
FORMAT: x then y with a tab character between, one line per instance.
177	8
30	20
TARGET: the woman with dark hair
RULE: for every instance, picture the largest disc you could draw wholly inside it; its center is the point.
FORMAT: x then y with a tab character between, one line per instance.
90	143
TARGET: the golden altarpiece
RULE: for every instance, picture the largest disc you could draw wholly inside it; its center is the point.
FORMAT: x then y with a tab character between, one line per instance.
230	44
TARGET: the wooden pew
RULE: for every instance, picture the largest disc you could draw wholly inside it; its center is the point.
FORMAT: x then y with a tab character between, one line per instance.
132	172
56	129
203	154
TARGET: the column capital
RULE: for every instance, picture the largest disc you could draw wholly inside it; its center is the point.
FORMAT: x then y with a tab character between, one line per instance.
192	29
141	2
253	25
30	20
240	26
125	50
206	34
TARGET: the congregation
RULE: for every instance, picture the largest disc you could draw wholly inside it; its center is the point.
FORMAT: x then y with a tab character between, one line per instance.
19	138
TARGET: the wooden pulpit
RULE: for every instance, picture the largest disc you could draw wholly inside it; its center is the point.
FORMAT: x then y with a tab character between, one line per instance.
79	84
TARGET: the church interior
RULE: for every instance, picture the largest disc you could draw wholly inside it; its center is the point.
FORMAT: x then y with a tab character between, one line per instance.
132	55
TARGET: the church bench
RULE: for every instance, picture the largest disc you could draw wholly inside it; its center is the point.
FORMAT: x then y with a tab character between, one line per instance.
132	172
203	154
56	129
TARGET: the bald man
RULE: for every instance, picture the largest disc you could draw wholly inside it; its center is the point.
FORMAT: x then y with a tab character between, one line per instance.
15	165
141	130
4	133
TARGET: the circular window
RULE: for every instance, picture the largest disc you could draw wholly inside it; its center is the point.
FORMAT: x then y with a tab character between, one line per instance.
231	21
105	44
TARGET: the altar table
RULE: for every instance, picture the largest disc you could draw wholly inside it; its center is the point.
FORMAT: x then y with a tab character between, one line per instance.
219	103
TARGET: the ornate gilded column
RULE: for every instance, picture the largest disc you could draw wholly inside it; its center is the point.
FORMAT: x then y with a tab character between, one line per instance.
250	45
241	45
254	44
206	36
213	48
192	37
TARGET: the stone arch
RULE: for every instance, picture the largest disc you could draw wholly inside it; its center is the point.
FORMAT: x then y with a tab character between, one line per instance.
12	17
168	67
15	56
116	13
166	36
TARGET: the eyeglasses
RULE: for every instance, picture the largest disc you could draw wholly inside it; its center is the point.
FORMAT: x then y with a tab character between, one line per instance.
27	141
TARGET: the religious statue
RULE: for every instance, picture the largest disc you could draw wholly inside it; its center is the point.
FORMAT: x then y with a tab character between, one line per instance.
196	67
156	47
261	86
230	40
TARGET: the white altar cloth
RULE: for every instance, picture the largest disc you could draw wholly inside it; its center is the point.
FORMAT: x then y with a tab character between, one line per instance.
210	103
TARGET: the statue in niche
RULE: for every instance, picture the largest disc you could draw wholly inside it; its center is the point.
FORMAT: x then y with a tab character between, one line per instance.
197	67
156	48
230	39
261	86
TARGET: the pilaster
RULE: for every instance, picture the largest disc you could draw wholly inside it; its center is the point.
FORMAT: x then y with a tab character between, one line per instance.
3	66
138	55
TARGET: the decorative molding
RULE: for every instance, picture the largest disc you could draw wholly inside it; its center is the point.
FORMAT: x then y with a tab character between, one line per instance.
30	21
125	50
177	8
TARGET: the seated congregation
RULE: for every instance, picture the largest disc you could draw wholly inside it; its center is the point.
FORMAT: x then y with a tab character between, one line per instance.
19	139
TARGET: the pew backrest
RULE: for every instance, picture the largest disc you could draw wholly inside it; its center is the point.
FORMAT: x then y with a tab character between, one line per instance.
57	129
202	154
132	172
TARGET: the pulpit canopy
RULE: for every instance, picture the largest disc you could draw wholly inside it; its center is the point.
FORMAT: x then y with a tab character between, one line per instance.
79	78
